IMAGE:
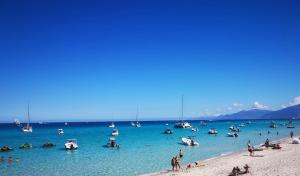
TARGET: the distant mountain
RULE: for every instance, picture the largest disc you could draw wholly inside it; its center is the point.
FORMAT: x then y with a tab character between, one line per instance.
244	115
286	113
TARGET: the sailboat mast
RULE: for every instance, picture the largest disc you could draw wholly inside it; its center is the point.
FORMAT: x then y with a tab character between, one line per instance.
137	113
28	115
182	107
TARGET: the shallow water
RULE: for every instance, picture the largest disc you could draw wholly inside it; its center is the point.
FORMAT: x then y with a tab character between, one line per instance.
143	150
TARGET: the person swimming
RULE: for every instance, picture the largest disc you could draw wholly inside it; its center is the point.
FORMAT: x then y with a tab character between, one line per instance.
2	158
10	159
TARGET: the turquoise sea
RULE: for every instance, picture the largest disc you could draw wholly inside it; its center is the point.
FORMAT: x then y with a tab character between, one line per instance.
143	150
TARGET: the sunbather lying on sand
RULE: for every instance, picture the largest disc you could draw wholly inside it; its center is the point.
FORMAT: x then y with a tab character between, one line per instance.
237	171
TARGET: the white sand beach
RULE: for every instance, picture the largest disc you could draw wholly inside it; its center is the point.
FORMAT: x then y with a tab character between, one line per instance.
269	162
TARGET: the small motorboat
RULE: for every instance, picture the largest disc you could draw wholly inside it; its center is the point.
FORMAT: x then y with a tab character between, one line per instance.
273	125
25	146
66	123
234	129
182	125
212	131
17	122
48	145
112	143
195	129
112	125
6	149
136	124
168	131
115	132
189	141
232	135
71	144
60	131
290	126
241	125
203	123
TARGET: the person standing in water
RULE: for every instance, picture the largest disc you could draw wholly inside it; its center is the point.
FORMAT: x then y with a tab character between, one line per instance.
249	144
180	153
291	134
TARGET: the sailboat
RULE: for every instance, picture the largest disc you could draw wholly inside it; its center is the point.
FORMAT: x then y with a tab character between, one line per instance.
136	123
182	124
112	125
27	128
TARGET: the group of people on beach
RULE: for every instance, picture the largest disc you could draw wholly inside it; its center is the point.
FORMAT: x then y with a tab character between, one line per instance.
175	161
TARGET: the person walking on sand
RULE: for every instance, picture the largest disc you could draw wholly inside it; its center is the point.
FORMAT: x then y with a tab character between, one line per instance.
173	162
180	153
251	150
291	134
177	163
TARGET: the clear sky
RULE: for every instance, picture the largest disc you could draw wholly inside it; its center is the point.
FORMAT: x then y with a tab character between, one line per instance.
100	59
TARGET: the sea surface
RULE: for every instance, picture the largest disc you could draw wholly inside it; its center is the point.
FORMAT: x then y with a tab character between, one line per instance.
142	150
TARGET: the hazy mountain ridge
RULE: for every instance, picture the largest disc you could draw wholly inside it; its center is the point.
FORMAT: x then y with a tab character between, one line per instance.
285	113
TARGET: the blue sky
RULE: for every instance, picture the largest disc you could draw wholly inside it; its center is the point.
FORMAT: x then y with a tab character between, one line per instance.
96	60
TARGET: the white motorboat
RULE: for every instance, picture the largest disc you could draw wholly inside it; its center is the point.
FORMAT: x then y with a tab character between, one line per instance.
212	131
195	129
115	132
60	131
273	125
234	129
17	122
71	144
27	128
189	141
182	125
232	135
112	125
66	123
168	131
241	125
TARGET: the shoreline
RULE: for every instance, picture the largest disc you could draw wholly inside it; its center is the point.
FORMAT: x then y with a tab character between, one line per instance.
224	163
